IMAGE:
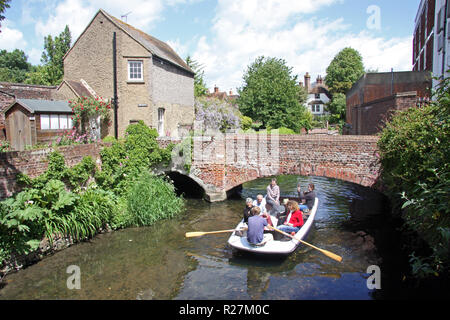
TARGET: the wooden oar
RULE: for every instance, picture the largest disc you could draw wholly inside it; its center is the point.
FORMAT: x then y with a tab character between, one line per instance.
200	233
325	252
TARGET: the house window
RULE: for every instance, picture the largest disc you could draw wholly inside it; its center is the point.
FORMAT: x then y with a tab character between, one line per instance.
317	95
161	122
45	122
315	108
55	121
135	71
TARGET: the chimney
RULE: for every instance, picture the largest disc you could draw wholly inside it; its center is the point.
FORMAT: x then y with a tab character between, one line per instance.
300	84
231	92
319	80
216	89
307	82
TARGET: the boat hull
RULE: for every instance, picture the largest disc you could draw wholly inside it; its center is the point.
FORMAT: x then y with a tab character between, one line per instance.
273	247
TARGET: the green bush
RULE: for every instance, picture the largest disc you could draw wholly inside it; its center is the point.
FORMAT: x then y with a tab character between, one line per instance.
151	199
414	154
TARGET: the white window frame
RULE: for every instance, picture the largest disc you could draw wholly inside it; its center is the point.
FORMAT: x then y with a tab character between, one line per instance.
45	122
64	122
131	69
161	112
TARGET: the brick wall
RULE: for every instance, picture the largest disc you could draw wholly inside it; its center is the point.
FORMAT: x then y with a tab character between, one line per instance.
34	163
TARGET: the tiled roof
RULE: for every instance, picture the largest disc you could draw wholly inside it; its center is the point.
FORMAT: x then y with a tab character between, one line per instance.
79	88
35	105
155	46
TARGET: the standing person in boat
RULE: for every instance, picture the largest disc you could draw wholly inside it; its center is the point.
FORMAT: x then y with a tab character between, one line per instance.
273	192
307	197
260	202
256	224
294	220
247	209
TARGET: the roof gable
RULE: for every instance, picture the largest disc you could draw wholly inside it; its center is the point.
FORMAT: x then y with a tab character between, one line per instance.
155	46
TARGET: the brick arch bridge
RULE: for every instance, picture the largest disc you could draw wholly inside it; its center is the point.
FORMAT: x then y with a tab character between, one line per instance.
222	162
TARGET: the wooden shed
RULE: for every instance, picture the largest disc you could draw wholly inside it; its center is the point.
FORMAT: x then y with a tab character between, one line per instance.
29	121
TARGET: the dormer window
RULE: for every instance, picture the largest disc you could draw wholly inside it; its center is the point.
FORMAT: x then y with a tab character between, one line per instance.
135	70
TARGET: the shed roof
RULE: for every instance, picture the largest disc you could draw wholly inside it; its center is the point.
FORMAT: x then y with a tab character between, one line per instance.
34	105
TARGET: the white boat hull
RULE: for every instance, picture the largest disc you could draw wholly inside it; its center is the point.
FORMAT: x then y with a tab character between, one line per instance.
274	247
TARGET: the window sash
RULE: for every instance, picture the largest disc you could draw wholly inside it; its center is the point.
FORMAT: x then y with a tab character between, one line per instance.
135	70
56	121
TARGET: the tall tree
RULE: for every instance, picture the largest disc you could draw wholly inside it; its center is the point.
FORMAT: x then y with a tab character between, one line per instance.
344	70
4	4
337	108
52	70
271	95
199	84
14	66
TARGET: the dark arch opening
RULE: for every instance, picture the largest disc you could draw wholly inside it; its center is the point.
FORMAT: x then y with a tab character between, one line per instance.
186	186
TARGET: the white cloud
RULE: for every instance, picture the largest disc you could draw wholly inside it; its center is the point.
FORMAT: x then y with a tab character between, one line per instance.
242	31
11	38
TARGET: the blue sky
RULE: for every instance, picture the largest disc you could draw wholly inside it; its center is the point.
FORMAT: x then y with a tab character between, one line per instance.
225	36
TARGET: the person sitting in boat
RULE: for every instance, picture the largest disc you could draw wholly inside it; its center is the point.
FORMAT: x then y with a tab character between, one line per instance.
260	202
294	220
273	192
307	197
247	209
256	224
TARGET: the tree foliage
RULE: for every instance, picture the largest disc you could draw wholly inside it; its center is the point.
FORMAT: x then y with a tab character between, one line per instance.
415	159
199	84
14	66
4	4
337	108
271	95
51	72
344	70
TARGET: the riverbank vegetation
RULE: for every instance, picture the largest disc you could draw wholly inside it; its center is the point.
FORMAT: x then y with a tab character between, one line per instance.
80	201
415	153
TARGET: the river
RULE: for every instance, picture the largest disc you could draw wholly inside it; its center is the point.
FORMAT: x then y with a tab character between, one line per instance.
158	262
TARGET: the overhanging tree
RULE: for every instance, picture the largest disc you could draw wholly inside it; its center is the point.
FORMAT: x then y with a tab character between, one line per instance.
4	4
14	66
272	96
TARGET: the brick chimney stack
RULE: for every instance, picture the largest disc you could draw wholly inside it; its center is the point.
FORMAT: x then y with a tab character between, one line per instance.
307	82
319	80
216	89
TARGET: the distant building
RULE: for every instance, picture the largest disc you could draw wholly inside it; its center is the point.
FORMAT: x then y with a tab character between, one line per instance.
375	96
223	95
318	95
431	42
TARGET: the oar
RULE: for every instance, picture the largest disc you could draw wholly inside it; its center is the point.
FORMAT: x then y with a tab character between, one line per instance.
325	252
200	233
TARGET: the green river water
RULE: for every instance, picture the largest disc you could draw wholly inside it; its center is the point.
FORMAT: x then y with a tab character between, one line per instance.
158	262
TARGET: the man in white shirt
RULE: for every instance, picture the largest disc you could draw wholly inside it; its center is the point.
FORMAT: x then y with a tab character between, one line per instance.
260	202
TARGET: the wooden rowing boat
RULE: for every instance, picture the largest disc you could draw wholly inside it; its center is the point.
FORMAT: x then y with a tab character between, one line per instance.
238	240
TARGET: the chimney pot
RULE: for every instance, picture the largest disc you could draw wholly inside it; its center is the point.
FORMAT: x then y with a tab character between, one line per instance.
307	82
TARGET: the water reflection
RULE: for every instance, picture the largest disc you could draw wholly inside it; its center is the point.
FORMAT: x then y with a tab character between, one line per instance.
158	262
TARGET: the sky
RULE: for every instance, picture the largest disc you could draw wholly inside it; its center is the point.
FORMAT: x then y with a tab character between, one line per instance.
226	36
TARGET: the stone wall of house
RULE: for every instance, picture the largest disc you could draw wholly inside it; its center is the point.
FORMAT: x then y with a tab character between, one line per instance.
162	87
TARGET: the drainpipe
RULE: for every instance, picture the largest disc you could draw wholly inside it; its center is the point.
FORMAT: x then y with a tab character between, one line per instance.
115	99
445	41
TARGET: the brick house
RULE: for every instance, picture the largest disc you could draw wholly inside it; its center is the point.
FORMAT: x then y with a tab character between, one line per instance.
431	38
375	96
153	83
